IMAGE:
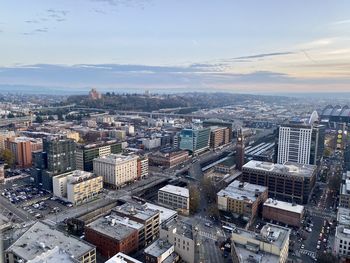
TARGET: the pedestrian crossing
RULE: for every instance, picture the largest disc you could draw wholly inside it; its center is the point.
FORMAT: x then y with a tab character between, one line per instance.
307	252
207	235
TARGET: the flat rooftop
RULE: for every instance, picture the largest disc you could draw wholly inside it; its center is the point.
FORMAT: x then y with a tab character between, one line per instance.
122	258
142	212
180	227
242	191
249	256
55	255
164	213
342	232
343	216
269	234
288	168
177	190
158	248
111	228
284	206
41	237
123	221
116	158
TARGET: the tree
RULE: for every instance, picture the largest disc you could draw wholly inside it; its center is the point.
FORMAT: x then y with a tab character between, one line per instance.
213	211
51	118
209	189
8	157
334	183
194	199
39	119
10	115
327	258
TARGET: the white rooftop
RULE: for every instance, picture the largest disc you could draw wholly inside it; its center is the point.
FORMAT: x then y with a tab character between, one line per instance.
55	255
41	237
122	258
165	213
289	168
177	190
116	158
284	206
242	191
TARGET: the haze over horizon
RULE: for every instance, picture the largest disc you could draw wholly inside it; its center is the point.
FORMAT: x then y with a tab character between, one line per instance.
176	46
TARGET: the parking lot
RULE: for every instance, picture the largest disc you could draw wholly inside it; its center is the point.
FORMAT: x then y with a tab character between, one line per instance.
37	203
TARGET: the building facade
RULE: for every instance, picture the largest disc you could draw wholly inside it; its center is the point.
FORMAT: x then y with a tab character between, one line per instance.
116	169
168	159
219	136
77	186
194	140
300	143
22	148
283	212
242	198
142	167
85	154
291	182
175	197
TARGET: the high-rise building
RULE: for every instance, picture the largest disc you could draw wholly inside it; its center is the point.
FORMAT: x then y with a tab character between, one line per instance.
2	173
22	148
300	143
240	150
4	134
58	157
116	169
219	136
194	140
219	123
85	154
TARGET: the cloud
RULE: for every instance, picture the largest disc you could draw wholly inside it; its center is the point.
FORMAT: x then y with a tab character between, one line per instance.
31	21
192	78
263	55
341	22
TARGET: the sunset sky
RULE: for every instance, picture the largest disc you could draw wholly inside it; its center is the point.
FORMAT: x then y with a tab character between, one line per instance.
176	45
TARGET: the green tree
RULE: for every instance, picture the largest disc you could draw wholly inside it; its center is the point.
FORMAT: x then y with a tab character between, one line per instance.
194	198
8	157
10	115
39	119
51	118
334	182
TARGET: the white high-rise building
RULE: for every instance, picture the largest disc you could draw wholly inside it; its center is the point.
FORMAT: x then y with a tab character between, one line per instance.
300	143
294	144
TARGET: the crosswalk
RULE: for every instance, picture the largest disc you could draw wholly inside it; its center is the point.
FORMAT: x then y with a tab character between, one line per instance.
307	252
207	235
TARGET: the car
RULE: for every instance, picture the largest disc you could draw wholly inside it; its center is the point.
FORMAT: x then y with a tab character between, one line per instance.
318	247
302	246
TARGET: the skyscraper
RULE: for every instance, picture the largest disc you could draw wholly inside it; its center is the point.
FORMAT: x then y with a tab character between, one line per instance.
300	143
194	140
58	157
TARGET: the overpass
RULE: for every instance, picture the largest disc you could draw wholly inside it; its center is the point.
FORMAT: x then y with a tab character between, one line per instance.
19	120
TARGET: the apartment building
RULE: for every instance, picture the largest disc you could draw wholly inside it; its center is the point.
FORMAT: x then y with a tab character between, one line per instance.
175	197
142	167
116	169
290	182
4	135
219	136
300	143
341	246
344	195
242	198
22	149
77	186
41	238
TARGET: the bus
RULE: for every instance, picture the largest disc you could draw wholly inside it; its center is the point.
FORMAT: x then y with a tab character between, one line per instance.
228	229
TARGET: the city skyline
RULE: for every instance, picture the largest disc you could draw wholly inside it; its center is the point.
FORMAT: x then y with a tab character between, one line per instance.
176	45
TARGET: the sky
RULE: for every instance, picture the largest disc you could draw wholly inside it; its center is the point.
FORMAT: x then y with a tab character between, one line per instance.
176	45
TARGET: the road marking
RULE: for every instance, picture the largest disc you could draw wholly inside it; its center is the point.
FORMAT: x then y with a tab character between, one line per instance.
207	235
308	252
